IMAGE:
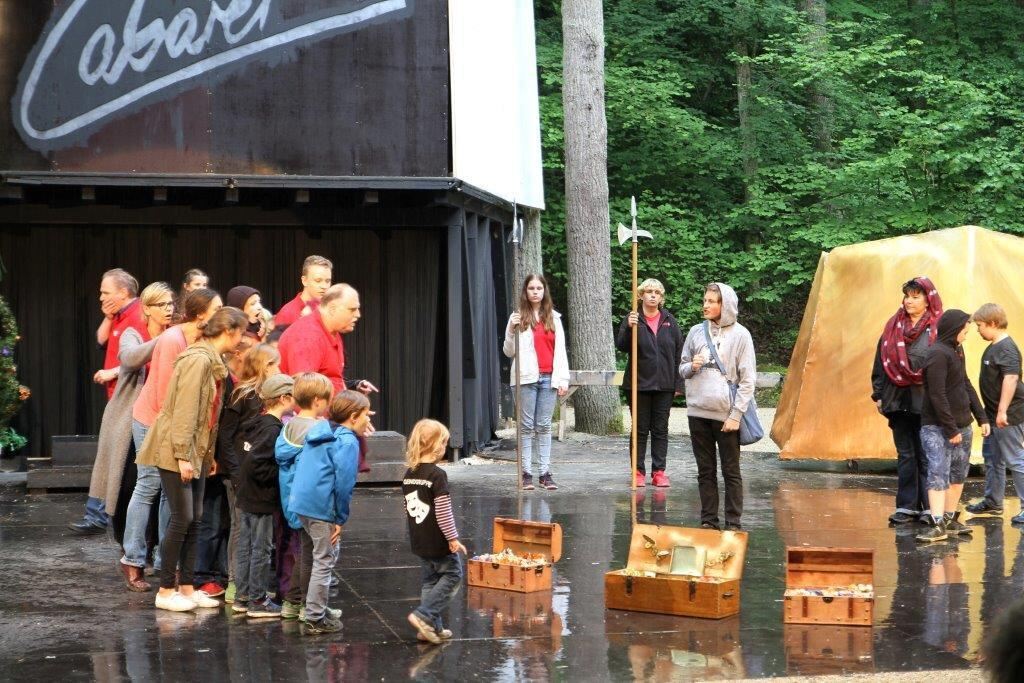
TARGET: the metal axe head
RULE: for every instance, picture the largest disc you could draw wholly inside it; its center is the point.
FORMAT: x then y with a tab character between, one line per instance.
626	234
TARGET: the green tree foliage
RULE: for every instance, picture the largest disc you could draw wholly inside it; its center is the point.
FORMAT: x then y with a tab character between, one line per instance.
926	124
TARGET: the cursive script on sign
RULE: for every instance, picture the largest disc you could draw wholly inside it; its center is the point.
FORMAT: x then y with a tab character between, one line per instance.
90	71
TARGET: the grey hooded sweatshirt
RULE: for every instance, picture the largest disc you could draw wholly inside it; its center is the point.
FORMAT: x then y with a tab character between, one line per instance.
707	389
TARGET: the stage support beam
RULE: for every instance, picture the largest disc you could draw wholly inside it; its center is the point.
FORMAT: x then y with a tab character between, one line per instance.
456	414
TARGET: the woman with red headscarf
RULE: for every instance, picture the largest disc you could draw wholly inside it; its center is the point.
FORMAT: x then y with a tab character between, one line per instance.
897	388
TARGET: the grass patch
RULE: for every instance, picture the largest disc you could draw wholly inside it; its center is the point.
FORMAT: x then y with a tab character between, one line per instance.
768	397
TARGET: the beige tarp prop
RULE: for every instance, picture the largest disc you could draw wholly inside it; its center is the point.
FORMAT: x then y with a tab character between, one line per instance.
825	411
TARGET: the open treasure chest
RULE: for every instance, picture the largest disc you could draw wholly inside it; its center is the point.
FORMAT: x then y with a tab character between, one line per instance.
829	586
522	557
681	571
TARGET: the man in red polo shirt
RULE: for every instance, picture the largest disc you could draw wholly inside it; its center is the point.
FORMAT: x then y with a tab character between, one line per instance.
314	344
316	278
121	308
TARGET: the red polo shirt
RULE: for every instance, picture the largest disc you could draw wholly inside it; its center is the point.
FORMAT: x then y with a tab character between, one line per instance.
292	310
307	346
129	316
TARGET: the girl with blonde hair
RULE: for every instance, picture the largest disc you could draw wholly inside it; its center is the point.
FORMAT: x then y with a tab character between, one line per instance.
432	531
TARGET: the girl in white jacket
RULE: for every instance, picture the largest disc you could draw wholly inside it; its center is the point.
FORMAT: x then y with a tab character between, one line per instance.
544	371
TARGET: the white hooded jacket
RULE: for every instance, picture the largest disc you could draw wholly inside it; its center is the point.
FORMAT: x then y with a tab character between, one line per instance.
531	370
707	389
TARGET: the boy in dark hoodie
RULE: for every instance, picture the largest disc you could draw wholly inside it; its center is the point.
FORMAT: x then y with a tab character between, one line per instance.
257	500
712	412
946	416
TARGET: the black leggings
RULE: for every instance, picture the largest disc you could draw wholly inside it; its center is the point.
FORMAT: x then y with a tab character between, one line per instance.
179	545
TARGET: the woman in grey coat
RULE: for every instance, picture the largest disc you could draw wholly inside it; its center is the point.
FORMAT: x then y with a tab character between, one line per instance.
716	398
116	427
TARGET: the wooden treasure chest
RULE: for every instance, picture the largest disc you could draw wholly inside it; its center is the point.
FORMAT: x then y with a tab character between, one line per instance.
522	557
680	571
829	586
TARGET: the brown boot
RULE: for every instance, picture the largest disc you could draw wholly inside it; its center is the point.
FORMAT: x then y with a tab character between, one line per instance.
133	578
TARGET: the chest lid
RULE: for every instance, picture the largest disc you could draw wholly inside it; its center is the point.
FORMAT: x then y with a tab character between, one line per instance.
682	551
812	567
538	538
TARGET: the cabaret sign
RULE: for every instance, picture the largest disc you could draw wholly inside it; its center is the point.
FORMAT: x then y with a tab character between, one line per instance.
101	59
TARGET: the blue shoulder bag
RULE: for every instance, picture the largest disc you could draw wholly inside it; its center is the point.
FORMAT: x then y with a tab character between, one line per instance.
751	430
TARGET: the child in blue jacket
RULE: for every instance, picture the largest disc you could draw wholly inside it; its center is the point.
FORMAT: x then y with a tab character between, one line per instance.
312	393
324	478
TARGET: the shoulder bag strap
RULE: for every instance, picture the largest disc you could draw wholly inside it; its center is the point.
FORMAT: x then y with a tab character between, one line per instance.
714	353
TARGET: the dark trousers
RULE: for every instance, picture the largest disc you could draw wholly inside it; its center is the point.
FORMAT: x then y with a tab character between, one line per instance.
286	555
302	569
179	545
212	542
911	463
705	435
651	417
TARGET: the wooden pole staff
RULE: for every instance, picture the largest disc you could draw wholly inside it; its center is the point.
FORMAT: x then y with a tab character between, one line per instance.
517	230
634	235
632	351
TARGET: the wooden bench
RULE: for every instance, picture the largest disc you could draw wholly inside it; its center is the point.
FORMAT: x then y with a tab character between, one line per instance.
585	378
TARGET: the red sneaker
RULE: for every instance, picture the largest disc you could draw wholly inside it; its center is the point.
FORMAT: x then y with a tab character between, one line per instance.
641	480
213	589
660	479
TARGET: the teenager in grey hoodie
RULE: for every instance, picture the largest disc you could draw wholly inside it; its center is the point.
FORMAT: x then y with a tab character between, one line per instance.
713	415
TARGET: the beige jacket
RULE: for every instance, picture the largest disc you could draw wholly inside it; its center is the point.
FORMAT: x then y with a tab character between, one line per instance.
182	428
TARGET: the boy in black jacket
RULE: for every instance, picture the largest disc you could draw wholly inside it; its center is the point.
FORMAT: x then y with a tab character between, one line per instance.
946	417
258	498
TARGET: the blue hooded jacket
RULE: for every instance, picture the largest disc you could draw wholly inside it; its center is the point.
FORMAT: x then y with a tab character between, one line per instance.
286	454
325	474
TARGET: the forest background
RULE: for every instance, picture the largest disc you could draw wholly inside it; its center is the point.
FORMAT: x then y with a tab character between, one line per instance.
757	133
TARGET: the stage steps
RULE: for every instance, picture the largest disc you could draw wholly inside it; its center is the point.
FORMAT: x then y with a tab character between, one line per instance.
69	466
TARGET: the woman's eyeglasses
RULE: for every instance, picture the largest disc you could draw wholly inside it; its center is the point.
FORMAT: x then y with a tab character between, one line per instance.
167	305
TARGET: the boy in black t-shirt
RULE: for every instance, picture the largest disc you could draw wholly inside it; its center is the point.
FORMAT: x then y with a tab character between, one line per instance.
432	531
1003	396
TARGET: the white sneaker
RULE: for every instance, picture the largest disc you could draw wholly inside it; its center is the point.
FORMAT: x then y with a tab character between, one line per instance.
202	599
175	602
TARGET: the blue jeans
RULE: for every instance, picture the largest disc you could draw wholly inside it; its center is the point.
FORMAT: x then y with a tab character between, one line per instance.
255	536
95	512
1003	448
324	557
147	488
442	579
538	405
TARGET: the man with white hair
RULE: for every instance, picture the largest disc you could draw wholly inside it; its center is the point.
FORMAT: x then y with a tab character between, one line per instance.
119	302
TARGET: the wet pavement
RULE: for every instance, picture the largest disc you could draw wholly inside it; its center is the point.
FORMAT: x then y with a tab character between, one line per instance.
64	614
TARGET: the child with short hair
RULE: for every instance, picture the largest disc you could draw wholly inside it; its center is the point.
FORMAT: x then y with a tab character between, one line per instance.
432	531
257	500
312	392
324	479
950	407
1003	396
257	364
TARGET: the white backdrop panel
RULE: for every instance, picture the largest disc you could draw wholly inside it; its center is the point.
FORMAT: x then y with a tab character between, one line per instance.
495	109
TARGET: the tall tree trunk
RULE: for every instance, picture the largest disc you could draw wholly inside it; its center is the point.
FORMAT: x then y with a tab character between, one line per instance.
532	260
587	231
822	107
748	142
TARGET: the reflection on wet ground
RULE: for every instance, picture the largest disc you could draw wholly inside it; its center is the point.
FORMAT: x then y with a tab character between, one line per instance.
64	614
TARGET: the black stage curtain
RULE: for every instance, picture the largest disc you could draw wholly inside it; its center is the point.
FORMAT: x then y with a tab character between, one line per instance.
52	284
